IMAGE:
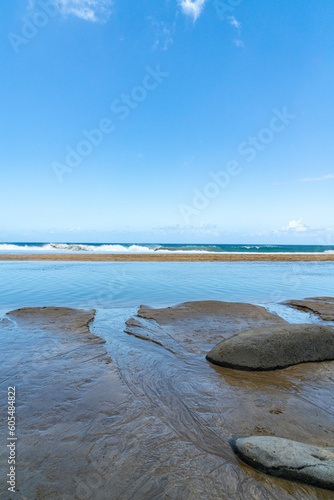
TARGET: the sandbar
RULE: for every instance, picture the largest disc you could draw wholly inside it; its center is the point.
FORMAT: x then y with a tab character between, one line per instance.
177	257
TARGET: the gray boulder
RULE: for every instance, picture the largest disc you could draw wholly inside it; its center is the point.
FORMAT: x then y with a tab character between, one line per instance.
287	459
275	347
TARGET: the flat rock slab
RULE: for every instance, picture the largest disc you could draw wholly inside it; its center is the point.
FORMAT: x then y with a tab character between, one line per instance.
321	306
287	459
322	299
55	318
69	398
275	347
199	325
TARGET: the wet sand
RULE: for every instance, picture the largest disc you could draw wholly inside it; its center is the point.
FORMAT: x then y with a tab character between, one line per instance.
144	415
160	257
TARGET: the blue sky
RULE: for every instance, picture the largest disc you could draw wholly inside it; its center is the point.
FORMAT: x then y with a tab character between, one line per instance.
171	121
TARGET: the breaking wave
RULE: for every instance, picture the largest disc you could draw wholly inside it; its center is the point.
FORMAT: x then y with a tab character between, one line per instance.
73	247
166	248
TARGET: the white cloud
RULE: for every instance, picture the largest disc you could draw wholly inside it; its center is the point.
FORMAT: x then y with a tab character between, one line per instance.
237	26
233	22
295	226
192	8
163	34
322	235
89	10
316	179
202	228
306	179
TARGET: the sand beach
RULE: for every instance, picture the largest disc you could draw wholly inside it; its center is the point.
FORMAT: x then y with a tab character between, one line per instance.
171	257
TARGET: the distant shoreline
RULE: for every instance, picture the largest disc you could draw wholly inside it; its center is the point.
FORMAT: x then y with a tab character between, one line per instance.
154	257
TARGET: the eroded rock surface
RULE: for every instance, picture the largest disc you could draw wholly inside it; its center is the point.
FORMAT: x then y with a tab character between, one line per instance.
275	347
207	403
55	318
68	396
321	306
199	325
152	421
287	459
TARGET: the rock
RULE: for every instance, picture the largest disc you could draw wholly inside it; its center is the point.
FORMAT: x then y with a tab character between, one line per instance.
55	318
70	398
199	325
287	459
63	320
322	306
275	347
322	299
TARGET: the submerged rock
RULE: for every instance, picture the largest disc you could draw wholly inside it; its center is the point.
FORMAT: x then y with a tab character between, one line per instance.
287	459
275	347
321	306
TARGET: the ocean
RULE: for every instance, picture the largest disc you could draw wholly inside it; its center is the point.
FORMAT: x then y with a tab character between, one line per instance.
6	248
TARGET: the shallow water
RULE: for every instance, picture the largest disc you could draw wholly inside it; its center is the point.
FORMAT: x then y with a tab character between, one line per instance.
167	437
117	284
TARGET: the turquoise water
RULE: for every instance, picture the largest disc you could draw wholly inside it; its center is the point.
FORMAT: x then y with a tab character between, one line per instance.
105	285
6	248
